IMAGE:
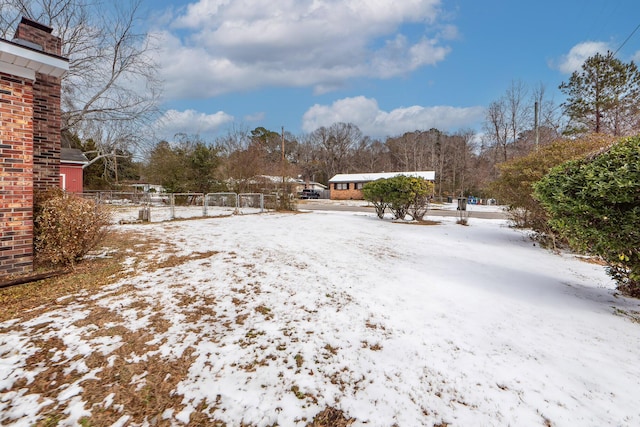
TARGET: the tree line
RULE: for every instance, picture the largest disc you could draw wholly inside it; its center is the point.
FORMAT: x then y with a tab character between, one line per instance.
241	156
108	119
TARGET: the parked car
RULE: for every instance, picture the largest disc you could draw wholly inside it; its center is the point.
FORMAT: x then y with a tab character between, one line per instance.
308	193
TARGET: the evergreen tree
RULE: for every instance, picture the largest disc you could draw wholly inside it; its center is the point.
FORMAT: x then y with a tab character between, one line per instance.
603	97
189	166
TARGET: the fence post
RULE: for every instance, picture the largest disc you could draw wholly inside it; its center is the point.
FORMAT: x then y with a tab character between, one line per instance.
204	205
237	208
172	204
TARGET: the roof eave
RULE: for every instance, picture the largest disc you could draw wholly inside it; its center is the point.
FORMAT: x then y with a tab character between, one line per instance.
74	162
24	62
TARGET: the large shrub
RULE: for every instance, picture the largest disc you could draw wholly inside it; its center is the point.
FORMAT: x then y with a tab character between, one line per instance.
66	227
595	204
403	195
377	192
514	187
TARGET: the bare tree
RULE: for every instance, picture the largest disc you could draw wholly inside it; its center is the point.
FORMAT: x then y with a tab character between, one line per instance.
112	77
401	151
548	112
414	151
239	161
519	112
336	143
370	155
237	138
549	125
438	149
497	128
509	121
308	158
462	144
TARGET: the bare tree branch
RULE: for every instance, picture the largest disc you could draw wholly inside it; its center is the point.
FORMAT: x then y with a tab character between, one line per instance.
112	77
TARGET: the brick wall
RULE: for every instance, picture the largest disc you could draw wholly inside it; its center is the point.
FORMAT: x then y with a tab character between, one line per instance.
46	109
16	175
46	132
29	150
39	34
350	194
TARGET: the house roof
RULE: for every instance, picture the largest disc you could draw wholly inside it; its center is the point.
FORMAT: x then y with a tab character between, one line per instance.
23	59
273	178
72	155
367	177
311	184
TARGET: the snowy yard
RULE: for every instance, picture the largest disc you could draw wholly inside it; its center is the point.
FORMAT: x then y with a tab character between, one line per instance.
264	319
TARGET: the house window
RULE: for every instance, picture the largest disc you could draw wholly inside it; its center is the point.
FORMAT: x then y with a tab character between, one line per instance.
358	185
341	186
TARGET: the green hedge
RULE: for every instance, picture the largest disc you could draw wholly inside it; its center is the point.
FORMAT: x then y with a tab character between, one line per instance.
595	204
402	195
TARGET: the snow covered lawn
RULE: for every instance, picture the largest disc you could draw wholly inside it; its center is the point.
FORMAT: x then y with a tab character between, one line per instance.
266	319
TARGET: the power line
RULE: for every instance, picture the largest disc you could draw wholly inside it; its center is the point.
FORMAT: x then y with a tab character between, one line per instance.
626	40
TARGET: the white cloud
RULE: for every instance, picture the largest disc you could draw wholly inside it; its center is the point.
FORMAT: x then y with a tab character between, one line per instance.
578	54
191	122
255	117
372	121
222	46
398	57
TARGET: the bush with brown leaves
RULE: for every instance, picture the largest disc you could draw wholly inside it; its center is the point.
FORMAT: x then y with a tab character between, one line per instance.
66	227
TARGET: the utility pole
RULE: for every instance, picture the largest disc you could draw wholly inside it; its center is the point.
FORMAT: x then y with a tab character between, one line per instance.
282	202
535	124
282	164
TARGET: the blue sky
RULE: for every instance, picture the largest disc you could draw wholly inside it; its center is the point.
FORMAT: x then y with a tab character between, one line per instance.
388	66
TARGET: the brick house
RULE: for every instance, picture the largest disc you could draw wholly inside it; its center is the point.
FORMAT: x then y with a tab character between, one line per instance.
30	71
348	186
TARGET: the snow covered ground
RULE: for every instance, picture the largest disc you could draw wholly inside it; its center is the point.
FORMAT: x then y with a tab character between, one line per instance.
277	316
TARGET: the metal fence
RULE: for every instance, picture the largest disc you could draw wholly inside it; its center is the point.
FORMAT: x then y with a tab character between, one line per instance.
250	203
119	198
220	202
158	207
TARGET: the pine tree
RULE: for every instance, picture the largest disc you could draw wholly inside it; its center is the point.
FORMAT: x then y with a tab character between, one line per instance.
603	97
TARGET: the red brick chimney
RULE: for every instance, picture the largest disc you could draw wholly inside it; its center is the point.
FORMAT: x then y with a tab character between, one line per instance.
40	35
46	108
30	72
